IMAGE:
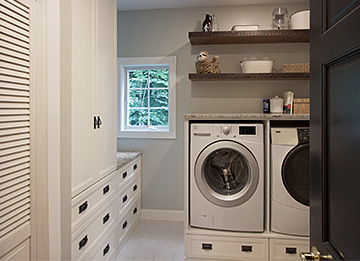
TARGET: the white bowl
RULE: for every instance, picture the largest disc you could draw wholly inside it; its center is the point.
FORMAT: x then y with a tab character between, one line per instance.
300	20
257	66
241	27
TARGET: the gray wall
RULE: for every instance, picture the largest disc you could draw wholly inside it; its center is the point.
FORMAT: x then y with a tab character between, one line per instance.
165	32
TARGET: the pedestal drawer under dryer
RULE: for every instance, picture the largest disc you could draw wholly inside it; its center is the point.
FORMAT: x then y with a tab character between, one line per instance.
287	249
226	248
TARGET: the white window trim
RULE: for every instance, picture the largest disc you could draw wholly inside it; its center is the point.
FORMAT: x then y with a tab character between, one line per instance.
123	64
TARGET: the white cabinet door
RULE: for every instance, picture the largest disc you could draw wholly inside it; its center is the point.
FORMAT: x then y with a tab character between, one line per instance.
93	91
106	86
82	94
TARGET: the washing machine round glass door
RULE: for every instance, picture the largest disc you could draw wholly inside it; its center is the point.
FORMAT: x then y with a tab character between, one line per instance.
295	173
226	173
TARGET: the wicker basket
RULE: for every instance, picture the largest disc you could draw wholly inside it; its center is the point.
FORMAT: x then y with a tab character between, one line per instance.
207	66
296	68
301	106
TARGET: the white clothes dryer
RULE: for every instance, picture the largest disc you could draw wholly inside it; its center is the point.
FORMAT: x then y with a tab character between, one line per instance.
226	177
290	213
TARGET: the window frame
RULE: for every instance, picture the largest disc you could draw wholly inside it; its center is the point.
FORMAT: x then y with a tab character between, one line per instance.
145	63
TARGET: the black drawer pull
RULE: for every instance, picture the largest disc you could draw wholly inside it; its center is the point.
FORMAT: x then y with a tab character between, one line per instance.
290	250
135	167
106	189
206	246
134	211
135	188
246	248
125	198
83	242
124	174
125	224
106	249
83	207
106	218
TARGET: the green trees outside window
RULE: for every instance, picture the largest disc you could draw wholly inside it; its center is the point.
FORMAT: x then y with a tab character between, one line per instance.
148	97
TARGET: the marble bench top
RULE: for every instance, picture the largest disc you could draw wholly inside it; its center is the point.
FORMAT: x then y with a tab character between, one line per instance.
246	116
124	157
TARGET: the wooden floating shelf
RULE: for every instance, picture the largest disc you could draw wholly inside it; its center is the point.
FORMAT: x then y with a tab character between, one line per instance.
247	37
248	76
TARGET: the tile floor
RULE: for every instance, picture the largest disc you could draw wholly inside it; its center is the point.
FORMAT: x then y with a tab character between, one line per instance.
155	240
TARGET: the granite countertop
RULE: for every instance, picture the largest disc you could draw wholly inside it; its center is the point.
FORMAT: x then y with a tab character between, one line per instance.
124	157
246	116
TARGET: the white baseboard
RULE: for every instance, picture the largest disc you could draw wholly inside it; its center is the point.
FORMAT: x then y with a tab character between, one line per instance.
158	214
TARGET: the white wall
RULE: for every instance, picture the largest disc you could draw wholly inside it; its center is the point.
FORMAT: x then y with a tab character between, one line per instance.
165	32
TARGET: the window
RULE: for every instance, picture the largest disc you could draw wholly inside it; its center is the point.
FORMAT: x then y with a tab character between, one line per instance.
147	88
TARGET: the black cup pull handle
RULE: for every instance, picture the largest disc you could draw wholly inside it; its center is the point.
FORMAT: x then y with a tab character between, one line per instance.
106	218
106	249
135	167
125	224
124	174
246	248
83	207
134	211
206	246
106	189
125	198
135	187
290	250
83	242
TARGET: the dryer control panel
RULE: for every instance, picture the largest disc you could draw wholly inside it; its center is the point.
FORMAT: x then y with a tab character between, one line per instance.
303	135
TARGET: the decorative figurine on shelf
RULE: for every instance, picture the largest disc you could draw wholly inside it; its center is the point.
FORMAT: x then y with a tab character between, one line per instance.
207	24
205	65
215	24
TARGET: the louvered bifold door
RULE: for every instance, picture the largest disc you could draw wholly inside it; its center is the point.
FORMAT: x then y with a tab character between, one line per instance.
14	123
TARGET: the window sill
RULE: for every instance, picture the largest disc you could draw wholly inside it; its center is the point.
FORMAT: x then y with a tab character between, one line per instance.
146	135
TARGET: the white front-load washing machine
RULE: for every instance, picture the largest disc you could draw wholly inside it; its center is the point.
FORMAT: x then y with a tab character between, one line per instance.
290	211
226	177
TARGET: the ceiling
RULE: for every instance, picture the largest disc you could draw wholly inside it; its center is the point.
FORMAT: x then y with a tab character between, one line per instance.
126	5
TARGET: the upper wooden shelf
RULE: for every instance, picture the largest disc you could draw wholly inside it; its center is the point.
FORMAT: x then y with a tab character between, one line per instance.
246	37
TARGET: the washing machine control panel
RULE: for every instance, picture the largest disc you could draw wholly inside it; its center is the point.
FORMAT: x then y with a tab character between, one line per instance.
247	130
243	130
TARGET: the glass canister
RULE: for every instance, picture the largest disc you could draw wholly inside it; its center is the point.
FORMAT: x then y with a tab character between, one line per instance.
276	104
280	18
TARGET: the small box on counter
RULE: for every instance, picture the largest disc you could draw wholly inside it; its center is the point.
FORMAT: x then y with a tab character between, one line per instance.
301	106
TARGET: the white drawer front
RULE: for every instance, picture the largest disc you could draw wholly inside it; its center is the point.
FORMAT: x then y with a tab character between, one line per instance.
127	172
285	249
127	221
88	202
127	196
87	236
105	249
225	248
